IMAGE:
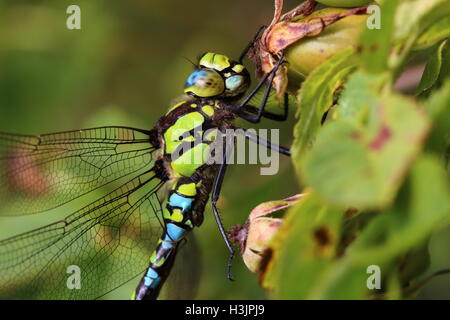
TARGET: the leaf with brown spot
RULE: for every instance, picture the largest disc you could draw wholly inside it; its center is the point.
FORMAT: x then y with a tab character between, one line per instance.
305	244
362	157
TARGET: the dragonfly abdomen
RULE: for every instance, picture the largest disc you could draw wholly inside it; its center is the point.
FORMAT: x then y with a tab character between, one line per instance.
178	222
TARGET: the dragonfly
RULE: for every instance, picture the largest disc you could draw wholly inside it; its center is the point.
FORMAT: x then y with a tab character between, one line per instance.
155	194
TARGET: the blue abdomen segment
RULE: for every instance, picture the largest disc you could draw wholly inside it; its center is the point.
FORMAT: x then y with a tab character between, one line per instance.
174	233
182	202
152	278
177	218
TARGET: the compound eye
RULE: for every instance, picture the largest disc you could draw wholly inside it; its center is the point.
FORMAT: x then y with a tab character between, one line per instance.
234	83
204	83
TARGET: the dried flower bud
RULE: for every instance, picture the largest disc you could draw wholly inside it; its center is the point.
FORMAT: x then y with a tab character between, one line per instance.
263	223
307	38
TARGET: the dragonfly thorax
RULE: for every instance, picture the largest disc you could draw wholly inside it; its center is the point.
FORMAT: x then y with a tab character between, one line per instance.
188	134
219	77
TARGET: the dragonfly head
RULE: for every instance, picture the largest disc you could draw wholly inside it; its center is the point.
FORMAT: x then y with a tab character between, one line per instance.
217	76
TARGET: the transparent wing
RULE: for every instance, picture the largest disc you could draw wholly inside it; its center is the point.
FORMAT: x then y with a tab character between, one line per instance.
184	279
41	172
98	247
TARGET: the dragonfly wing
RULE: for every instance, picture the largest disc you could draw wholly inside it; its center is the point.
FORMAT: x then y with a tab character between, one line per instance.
99	247
41	172
186	272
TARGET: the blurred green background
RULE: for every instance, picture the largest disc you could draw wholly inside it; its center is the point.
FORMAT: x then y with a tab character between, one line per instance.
124	67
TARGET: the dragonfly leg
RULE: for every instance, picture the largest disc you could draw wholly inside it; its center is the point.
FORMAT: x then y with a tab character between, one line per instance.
255	118
255	138
266	114
217	186
178	222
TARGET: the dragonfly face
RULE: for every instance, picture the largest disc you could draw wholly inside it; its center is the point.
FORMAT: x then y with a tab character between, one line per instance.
217	77
192	125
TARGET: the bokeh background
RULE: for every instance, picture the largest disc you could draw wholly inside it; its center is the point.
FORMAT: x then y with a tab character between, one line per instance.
124	67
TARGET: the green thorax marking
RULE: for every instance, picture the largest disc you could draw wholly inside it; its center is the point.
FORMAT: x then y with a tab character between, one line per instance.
190	118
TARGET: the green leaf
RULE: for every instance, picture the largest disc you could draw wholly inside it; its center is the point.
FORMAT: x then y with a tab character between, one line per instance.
438	104
438	107
363	88
376	44
402	23
423	207
306	244
362	164
437	32
316	96
438	67
415	17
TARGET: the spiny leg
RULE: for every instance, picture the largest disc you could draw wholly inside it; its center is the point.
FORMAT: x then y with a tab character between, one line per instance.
217	186
263	142
215	196
267	77
271	115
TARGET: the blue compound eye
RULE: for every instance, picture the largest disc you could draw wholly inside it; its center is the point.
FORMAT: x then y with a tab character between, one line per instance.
204	83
